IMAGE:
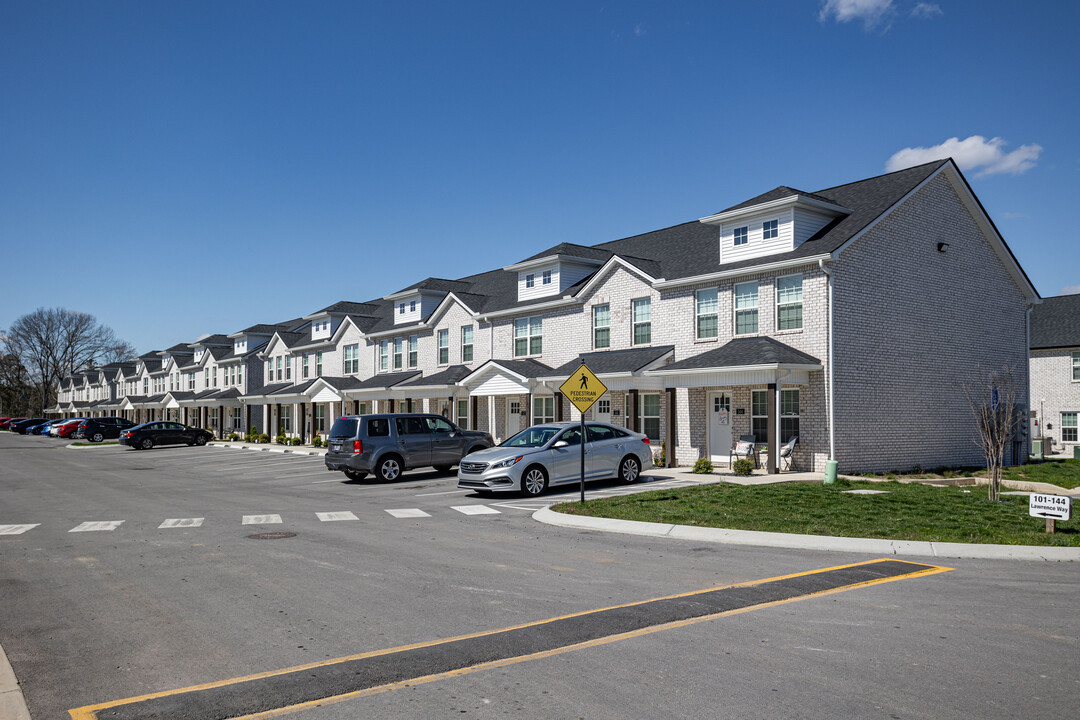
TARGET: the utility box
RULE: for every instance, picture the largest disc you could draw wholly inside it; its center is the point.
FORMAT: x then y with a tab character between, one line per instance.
1076	452
1037	449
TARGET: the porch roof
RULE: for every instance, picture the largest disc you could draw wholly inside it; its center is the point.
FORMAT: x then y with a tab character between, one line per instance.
384	381
743	353
613	362
451	376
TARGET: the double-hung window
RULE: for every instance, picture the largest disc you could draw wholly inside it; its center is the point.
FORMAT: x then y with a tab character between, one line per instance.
384	356
789	302
466	343
543	410
305	366
398	359
320	418
352	359
239	374
642	321
650	416
1068	427
414	354
278	364
1076	365
746	307
789	414
318	363
288	368
759	414
191	380
444	347
708	322
742	235
601	321
528	336
463	412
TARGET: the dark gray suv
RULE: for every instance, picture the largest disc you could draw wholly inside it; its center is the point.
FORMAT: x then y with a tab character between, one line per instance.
388	444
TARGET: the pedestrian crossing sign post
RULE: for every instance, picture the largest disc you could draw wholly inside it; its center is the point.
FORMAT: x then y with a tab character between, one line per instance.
583	389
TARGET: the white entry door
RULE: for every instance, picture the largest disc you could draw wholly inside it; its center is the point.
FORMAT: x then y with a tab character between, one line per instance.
719	427
514	423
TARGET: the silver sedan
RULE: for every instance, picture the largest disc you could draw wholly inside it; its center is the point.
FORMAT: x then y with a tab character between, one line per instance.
550	454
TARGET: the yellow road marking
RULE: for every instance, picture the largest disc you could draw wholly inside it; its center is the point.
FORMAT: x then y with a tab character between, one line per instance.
89	712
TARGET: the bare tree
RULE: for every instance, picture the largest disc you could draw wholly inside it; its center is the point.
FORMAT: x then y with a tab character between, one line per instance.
52	343
992	398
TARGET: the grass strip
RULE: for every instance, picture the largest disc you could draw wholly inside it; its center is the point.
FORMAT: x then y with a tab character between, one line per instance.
94	444
907	511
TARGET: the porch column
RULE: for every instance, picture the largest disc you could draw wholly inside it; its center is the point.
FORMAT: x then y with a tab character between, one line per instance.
453	409
635	413
558	407
474	402
772	435
669	449
356	407
265	419
277	419
221	422
408	405
247	419
390	405
297	431
529	410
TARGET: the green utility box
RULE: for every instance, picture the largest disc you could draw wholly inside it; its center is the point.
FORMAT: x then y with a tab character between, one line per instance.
830	471
1076	452
1037	449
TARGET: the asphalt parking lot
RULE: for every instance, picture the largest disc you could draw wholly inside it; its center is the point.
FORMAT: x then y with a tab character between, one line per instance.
138	574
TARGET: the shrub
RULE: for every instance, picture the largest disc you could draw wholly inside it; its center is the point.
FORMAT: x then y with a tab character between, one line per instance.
254	432
264	438
296	441
703	466
234	436
280	439
743	466
316	441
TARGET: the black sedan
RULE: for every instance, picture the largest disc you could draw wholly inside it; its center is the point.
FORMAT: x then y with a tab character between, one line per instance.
98	429
147	435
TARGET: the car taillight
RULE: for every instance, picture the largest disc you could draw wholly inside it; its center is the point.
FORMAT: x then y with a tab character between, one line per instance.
645	440
357	447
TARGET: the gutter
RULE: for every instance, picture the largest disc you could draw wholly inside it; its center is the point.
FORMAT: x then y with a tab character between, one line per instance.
829	380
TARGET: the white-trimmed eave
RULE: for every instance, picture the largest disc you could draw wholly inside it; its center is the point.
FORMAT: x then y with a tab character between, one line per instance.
428	324
809	367
488	368
549	259
662	284
773	205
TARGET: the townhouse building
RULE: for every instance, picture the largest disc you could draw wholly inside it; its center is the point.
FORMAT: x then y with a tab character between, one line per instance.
1055	371
848	317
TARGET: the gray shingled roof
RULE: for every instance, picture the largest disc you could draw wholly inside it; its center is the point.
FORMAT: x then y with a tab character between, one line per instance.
385	380
525	368
450	376
1056	323
741	352
614	361
777	193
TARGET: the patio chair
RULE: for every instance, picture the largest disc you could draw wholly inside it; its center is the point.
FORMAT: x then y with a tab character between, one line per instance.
743	447
787	453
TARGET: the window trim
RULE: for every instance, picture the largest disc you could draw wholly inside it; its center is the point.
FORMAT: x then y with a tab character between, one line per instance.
770	226
1074	427
698	315
596	328
776	292
442	340
634	323
467	344
735	309
1076	365
740	235
534	344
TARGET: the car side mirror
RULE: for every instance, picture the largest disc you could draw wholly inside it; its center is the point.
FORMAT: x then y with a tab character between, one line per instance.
560	444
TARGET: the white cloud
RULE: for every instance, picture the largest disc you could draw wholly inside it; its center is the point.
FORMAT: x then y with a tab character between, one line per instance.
973	153
1071	290
927	11
872	12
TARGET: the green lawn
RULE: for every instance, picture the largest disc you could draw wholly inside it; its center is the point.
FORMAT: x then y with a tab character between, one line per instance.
93	444
1063	473
909	511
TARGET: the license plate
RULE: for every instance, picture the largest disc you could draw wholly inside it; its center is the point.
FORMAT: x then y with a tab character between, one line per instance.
335	446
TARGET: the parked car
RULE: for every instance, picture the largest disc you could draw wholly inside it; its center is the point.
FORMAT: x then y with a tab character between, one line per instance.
388	444
40	428
550	454
159	432
98	429
66	428
6	423
21	426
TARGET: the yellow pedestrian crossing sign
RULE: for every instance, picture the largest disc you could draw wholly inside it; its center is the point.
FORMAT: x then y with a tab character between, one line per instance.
583	388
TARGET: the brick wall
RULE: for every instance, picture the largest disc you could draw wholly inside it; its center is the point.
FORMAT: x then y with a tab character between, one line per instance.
1053	390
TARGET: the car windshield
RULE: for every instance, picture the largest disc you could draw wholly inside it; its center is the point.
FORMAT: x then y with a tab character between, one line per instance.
532	437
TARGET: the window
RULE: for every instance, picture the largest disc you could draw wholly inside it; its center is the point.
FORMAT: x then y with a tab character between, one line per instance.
384	355
318	362
528	336
789	302
708	322
759	411
239	374
789	414
529	280
352	359
234	419
1076	365
191	380
603	406
769	229
401	309
444	347
601	320
305	369
466	344
650	416
378	427
463	413
398	360
288	368
642	312
320	418
746	308
547	277
742	235
412	306
1068	427
414	356
278	363
543	410
286	418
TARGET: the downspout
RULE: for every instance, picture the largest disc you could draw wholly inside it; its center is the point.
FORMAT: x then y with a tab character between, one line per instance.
829	367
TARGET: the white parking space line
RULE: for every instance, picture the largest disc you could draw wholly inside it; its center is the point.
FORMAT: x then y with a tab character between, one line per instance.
408	513
261	520
475	510
16	529
305	474
96	526
320	482
445	492
181	523
332	516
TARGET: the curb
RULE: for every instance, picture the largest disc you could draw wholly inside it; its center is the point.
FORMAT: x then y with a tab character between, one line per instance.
12	702
791	541
260	448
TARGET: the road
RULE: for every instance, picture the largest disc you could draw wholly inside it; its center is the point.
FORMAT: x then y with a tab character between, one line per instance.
125	574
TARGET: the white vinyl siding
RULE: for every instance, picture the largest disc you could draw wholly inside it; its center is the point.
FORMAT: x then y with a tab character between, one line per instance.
757	244
806	223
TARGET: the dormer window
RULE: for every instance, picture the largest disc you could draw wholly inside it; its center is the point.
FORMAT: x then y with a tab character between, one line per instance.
742	235
547	277
530	280
412	306
401	309
770	229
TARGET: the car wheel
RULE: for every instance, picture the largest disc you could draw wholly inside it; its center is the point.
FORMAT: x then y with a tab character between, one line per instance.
389	468
147	443
442	468
200	440
98	437
355	474
534	481
629	469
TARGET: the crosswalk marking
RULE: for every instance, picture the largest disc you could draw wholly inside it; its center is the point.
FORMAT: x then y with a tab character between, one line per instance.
98	526
181	523
331	516
16	529
261	520
475	510
408	513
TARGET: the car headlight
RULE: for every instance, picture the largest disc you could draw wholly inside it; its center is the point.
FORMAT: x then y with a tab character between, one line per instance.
507	463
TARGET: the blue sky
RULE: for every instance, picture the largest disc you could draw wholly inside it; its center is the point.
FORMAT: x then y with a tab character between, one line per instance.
177	168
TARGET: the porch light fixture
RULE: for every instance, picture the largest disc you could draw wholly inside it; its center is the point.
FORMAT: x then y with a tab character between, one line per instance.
942	247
